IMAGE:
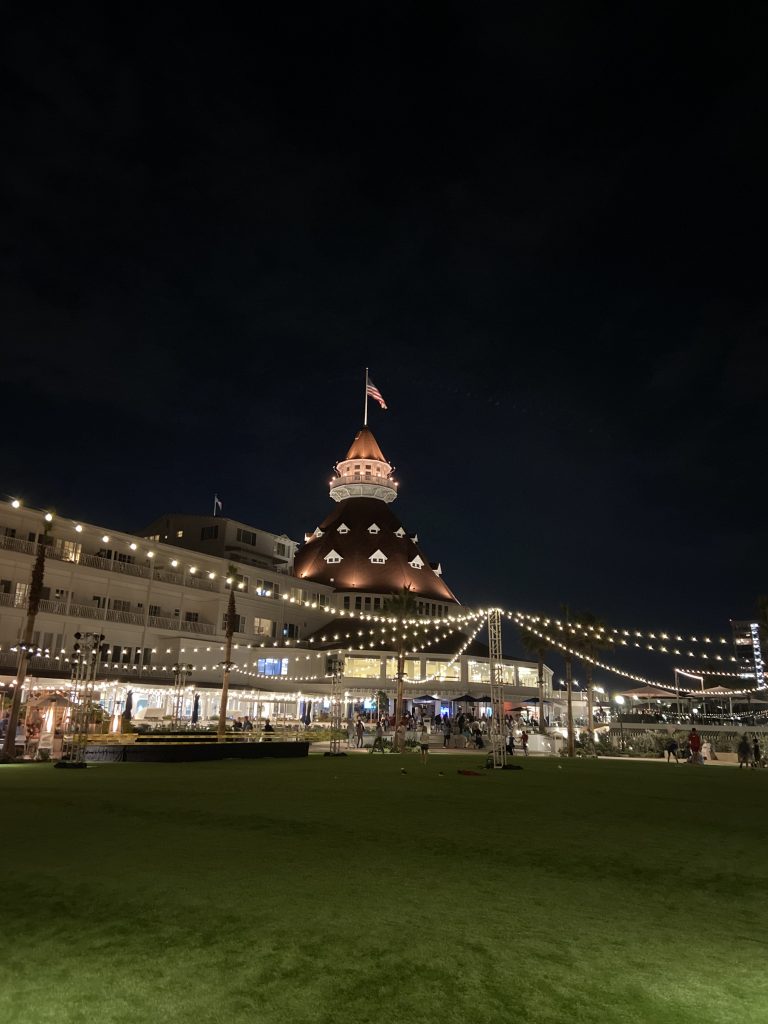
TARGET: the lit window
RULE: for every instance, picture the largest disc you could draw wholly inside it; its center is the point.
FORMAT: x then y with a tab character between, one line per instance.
416	563
378	557
333	557
179	534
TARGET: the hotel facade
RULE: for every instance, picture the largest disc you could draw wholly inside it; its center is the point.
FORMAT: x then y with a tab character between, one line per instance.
159	599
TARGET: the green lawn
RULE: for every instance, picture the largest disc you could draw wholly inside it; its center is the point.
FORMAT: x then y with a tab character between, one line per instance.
345	890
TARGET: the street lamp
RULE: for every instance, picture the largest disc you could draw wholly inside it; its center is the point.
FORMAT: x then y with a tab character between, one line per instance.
620	701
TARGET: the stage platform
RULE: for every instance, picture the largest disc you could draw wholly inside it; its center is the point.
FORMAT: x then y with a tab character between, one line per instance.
175	752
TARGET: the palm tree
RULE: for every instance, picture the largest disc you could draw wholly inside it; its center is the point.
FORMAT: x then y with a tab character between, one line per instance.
402	605
33	603
590	643
230	620
539	648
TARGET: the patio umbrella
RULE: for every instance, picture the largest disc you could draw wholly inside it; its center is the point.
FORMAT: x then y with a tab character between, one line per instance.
464	699
196	709
423	700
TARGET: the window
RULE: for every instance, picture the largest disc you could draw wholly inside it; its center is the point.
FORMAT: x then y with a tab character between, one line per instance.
400	532
373	528
281	549
442	670
378	557
318	533
333	558
479	672
179	534
191	616
239	624
21	595
416	563
342	528
346	601
209	533
362	668
120	606
5	586
247	537
291	631
358	602
67	550
263	627
154	610
154	536
10	531
272	666
412	668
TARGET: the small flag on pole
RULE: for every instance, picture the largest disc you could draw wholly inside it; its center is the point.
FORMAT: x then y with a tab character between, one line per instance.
372	391
216	504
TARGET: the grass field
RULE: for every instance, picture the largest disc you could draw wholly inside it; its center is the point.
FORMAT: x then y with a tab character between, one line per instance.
345	890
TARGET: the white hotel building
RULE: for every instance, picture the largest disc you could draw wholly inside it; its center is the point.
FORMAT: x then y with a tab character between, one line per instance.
160	596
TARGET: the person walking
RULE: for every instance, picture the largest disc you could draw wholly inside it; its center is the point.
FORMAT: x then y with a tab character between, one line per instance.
424	743
525	742
756	759
744	751
694	745
446	731
672	750
359	730
378	740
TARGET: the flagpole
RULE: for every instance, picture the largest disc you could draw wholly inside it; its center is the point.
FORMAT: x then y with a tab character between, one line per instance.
365	416
215	503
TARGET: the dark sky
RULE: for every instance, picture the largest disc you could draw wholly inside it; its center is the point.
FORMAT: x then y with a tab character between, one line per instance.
543	231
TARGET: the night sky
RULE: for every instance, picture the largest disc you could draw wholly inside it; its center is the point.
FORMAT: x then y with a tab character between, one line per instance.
544	232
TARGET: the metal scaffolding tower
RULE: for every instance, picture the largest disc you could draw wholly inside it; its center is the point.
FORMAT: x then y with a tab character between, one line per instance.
334	667
84	662
498	737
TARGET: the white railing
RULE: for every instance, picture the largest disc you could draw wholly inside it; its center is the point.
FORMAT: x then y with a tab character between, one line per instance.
201	584
86	611
7	600
162	622
168	577
129	569
127	618
198	627
53	607
26	547
95	562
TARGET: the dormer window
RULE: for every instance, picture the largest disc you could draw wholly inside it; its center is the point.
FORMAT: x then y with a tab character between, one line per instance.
378	557
400	532
438	570
415	538
373	528
333	557
343	528
318	533
416	563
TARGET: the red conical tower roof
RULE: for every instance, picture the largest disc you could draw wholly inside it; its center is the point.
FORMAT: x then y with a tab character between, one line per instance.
365	446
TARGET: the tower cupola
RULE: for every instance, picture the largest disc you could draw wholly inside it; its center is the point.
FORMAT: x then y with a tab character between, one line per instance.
364	472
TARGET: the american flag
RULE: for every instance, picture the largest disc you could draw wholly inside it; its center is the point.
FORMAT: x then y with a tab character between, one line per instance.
373	392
